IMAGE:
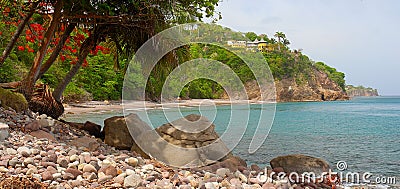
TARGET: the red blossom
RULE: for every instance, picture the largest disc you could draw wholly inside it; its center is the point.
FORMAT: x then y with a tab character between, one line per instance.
21	48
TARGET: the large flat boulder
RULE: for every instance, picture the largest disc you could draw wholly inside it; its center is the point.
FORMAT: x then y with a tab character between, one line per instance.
187	142
300	164
117	133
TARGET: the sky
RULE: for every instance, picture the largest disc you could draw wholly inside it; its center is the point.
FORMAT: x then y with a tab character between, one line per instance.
358	37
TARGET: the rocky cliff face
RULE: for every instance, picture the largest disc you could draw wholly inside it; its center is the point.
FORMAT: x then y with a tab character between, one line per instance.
360	91
317	87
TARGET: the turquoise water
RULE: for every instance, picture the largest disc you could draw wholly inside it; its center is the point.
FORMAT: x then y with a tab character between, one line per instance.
363	132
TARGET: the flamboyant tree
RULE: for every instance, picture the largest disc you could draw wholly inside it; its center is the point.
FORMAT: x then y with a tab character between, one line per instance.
126	24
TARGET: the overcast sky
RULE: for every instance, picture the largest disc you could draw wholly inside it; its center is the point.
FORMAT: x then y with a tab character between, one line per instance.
358	37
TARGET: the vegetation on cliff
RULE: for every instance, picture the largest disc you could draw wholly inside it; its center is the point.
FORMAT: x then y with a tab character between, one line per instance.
361	91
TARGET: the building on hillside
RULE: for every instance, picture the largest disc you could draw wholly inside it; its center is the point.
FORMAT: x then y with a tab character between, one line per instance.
260	45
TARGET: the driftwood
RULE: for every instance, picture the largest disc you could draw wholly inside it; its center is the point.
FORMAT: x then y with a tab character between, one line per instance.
43	102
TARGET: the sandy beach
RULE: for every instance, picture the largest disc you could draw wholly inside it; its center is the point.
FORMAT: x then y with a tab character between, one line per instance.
115	106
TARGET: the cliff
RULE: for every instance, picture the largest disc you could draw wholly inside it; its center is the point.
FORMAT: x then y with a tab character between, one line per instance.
317	87
353	91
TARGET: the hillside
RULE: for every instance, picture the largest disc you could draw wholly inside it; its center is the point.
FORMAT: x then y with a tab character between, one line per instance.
297	77
353	91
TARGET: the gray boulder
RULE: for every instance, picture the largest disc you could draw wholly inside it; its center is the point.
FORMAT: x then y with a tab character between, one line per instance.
300	164
118	134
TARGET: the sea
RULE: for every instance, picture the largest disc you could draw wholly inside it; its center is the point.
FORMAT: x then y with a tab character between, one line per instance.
361	135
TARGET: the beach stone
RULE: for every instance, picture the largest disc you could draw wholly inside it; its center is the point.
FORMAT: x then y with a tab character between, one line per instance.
164	183
43	123
235	182
11	151
68	176
93	129
52	170
72	152
241	176
46	175
63	162
4	163
52	157
28	161
3	169
56	175
85	142
35	151
300	163
76	183
148	167
13	162
4	131
120	178
222	172
103	177
73	158
209	185
132	161
74	172
39	134
89	169
24	151
268	185
133	180
109	170
86	156
33	126
90	176
165	174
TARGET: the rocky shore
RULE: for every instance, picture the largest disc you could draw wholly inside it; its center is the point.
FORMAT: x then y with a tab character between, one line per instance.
40	152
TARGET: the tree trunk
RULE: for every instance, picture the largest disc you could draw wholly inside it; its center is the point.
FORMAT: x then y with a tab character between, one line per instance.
17	33
42	101
87	45
56	50
29	82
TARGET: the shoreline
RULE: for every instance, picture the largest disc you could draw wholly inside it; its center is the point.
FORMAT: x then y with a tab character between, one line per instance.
114	106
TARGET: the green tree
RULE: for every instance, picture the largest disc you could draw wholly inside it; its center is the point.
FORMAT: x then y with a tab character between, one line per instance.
251	35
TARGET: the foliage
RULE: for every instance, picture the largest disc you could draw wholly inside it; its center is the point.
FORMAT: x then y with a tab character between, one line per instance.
337	77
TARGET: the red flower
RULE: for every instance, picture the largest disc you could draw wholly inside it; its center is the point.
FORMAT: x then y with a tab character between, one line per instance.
21	48
85	63
1	33
31	50
62	58
74	51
